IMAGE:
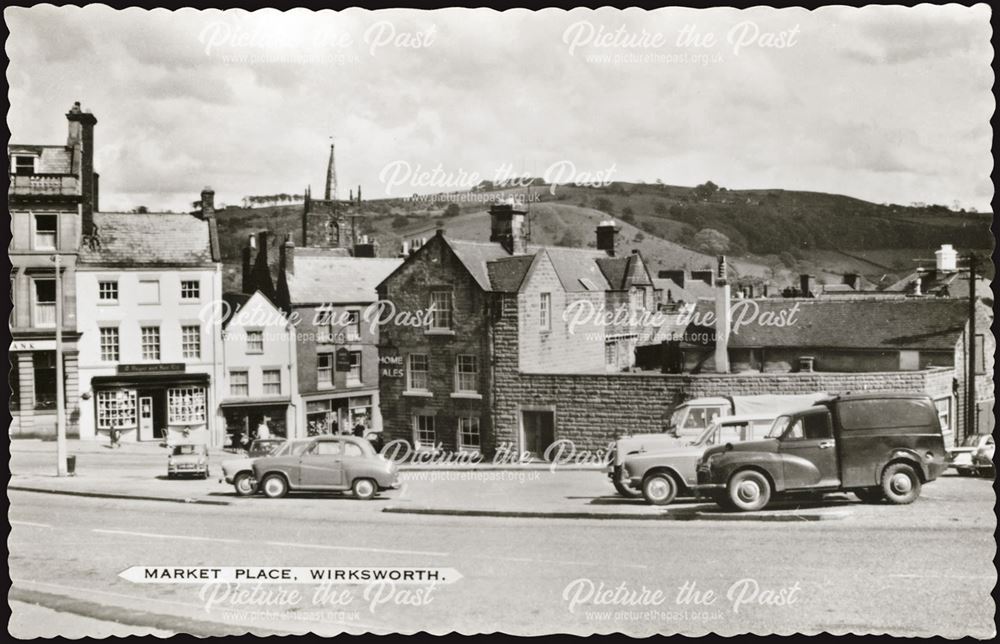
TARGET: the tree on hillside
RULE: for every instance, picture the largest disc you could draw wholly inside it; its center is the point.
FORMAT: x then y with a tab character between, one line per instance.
142	210
711	242
570	239
452	210
661	208
604	205
628	215
705	190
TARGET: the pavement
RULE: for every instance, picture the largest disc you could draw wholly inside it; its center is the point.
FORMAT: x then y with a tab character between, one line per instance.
918	570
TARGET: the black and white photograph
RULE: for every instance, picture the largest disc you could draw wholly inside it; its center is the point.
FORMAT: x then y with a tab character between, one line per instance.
665	321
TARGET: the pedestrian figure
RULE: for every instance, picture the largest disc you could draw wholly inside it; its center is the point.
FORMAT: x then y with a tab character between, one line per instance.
263	430
359	429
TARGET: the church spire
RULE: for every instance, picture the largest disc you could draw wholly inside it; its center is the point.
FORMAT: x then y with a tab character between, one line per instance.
331	176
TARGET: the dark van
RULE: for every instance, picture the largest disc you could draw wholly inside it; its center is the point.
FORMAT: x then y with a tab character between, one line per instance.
878	446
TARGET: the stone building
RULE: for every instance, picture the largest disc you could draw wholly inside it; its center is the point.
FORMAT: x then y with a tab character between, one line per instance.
439	384
52	197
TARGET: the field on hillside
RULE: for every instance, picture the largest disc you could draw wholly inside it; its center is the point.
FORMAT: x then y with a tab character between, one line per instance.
767	234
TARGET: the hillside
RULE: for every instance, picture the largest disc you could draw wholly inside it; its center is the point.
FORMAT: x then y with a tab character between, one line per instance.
772	234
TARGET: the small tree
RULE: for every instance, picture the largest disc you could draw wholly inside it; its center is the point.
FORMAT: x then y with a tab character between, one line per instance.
711	242
452	210
705	190
604	205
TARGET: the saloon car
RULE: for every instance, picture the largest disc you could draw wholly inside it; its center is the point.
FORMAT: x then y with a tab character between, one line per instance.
327	464
974	456
238	471
188	459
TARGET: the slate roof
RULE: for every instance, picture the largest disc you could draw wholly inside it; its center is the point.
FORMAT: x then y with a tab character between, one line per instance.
475	256
927	324
507	274
150	239
52	159
624	272
944	284
573	265
332	278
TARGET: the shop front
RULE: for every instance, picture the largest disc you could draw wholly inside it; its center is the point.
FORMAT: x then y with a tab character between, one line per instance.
248	420
153	403
338	415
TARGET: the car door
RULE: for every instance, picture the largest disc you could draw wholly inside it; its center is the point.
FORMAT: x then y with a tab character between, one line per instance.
809	453
322	466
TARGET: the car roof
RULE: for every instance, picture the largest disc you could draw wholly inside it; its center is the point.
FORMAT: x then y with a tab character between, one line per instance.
744	418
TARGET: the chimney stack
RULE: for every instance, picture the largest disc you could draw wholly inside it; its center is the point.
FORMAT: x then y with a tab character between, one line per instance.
286	255
366	247
723	317
507	226
248	257
207	203
607	234
359	194
81	140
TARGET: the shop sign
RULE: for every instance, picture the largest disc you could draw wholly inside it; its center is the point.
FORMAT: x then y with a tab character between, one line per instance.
160	367
390	364
33	345
343	360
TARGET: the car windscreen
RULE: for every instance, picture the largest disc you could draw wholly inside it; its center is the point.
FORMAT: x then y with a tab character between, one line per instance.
779	426
180	450
972	440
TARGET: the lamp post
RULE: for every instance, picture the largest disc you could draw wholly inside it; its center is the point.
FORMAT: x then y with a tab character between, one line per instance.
60	393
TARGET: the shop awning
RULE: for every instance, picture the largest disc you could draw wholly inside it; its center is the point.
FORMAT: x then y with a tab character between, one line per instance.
255	402
150	379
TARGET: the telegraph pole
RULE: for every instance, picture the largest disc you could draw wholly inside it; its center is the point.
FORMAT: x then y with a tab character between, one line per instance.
60	393
970	379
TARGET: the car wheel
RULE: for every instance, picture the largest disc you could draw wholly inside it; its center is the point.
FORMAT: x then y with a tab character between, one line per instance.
659	489
900	484
869	494
364	489
748	491
275	486
244	484
622	486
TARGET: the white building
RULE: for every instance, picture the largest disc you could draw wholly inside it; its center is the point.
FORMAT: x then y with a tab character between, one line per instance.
150	359
260	371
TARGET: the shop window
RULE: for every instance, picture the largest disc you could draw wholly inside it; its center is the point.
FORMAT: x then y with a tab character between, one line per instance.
466	374
320	418
149	292
44	314
190	290
255	341
109	344
354	374
324	370
545	311
116	409
46	227
416	372
185	405
107	291
441	316
468	432
239	384
423	430
150	342
272	382
45	379
361	410
191	341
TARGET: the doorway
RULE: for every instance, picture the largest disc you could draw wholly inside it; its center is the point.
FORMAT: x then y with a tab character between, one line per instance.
152	414
538	429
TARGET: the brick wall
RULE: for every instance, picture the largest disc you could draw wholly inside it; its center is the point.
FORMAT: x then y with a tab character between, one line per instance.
310	343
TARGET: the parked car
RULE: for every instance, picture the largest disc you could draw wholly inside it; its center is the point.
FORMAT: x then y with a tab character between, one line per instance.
974	457
238	471
188	459
691	419
878	446
327	464
663	474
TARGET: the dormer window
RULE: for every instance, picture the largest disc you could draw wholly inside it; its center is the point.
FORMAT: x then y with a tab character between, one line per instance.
24	164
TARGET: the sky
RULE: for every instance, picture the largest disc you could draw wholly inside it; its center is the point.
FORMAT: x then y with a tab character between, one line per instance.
888	104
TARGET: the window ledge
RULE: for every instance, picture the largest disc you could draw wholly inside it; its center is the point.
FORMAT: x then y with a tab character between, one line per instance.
468	395
439	332
418	394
